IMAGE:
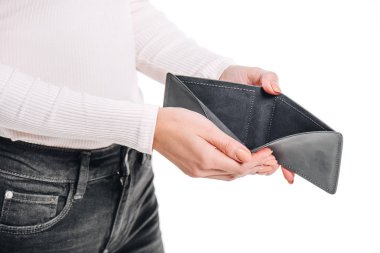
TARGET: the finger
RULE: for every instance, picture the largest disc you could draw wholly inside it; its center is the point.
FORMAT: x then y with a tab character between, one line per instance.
225	163
264	169
272	162
220	161
212	172
269	82
259	158
267	79
274	169
268	166
228	177
289	176
229	145
262	155
254	75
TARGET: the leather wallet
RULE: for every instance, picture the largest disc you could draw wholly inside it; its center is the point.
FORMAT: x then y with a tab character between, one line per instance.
300	141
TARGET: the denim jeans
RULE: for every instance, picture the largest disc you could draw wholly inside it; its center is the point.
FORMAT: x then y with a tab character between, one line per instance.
55	199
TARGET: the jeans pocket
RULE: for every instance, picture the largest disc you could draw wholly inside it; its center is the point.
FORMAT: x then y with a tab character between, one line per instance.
25	209
29	206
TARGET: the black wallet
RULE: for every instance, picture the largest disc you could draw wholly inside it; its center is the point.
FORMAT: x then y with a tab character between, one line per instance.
300	141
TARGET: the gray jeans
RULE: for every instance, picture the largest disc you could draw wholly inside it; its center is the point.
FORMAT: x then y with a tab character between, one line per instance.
56	199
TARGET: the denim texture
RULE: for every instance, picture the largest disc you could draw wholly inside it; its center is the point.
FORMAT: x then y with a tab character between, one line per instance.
56	199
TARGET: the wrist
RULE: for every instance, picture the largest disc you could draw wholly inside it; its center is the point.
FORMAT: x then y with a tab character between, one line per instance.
223	66
157	129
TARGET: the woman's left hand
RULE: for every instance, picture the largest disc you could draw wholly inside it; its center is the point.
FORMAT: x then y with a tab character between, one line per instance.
260	77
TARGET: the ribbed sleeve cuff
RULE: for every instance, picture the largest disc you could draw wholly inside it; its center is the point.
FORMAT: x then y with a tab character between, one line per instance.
146	129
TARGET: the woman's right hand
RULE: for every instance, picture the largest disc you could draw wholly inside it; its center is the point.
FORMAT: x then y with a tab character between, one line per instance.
200	149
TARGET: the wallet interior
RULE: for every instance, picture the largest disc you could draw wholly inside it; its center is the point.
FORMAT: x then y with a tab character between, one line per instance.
300	141
251	114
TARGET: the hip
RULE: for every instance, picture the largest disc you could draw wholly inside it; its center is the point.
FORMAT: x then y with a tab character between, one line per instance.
54	197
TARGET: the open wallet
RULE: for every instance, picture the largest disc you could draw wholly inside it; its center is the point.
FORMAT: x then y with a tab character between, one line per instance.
300	141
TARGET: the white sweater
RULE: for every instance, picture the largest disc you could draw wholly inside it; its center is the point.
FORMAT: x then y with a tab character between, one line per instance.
68	70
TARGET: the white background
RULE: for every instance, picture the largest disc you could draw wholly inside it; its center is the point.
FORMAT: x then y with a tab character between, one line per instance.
327	56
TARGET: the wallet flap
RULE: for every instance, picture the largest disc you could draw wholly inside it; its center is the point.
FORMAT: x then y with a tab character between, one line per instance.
214	119
177	94
315	156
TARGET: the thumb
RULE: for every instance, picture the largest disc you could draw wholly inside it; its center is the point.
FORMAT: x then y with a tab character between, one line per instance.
289	176
229	146
269	82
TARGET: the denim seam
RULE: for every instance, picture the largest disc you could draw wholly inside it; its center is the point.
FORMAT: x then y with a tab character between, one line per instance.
25	196
34	202
4	211
50	180
83	174
130	199
127	187
59	149
101	177
134	211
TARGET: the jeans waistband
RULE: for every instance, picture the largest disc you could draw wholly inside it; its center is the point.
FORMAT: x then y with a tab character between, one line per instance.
61	165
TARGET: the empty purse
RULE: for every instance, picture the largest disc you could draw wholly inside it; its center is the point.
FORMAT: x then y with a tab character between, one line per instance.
300	142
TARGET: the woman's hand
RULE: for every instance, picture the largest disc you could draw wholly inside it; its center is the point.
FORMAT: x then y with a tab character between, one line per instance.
200	149
256	76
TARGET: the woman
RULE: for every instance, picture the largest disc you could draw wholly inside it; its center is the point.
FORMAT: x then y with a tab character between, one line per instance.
76	137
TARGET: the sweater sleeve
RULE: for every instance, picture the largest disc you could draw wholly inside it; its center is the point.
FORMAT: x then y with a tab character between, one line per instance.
161	47
31	105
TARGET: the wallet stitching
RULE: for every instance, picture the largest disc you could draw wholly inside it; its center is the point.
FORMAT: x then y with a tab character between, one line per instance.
302	113
338	156
218	86
234	88
271	119
249	120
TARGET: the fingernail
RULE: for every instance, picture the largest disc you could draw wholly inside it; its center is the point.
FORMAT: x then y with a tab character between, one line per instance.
270	151
275	87
243	155
291	181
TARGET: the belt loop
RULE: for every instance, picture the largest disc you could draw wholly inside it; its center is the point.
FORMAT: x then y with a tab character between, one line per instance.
124	168
83	174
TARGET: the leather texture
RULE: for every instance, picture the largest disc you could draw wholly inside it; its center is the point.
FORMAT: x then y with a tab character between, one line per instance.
299	140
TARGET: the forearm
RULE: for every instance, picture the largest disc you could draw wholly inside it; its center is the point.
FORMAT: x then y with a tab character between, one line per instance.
31	105
161	47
